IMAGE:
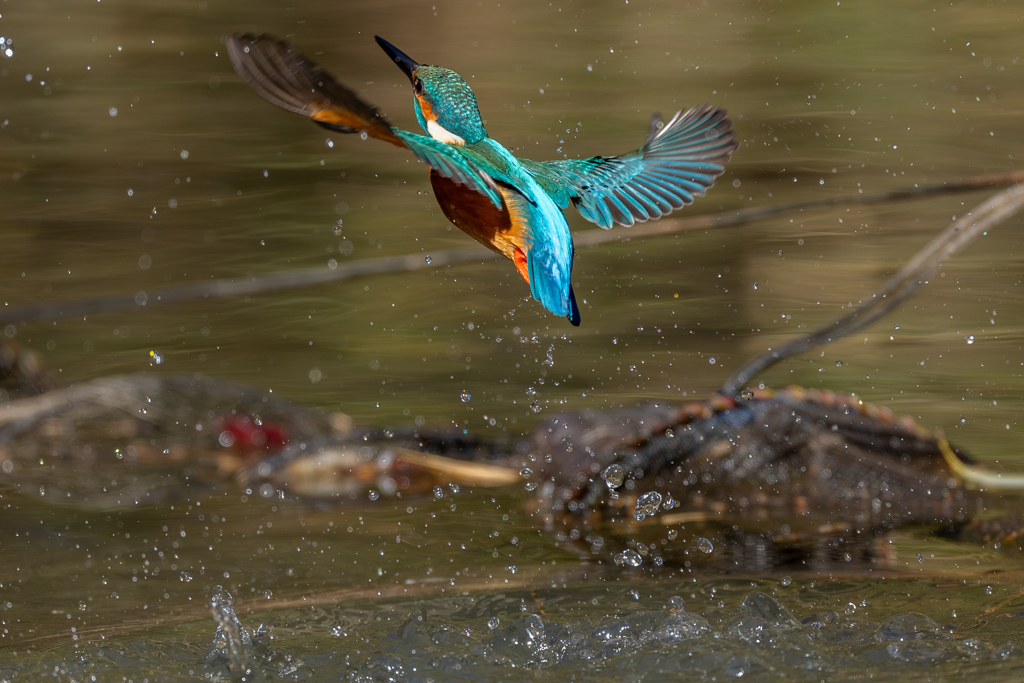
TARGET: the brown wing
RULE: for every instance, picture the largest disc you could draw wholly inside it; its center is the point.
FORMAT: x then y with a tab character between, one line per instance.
282	76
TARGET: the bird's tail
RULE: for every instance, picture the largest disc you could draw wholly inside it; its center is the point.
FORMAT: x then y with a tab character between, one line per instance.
574	311
282	76
552	291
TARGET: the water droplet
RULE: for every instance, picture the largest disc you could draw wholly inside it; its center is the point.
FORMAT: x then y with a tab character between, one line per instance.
113	111
157	357
535	407
614	476
850	608
628	558
920	557
531	486
839	363
438	492
530	391
673	534
465	396
705	546
526	473
184	154
646	505
373	495
970	339
785	581
988	590
676	604
428	259
493	623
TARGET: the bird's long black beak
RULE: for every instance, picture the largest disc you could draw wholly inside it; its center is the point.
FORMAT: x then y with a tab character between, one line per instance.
404	61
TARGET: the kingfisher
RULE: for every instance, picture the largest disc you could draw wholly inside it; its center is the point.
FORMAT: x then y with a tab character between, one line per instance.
510	205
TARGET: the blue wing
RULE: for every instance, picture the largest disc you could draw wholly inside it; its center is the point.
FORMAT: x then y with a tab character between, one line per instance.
679	161
446	160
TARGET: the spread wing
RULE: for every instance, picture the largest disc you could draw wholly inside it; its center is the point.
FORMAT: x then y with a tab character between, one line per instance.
679	161
449	162
282	76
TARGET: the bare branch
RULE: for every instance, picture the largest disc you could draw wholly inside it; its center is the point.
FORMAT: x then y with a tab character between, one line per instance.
311	277
916	272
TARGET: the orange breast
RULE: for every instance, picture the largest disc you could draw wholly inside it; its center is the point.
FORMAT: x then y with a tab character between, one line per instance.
475	215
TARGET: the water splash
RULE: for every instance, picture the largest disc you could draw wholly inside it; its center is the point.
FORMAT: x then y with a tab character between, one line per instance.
246	656
614	476
646	505
628	558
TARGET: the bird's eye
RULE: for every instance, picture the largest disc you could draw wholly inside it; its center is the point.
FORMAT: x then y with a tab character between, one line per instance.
418	87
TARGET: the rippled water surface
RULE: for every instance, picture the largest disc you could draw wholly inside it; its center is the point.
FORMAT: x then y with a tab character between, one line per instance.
133	159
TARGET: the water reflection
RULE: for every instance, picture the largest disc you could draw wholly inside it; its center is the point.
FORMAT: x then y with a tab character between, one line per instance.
827	98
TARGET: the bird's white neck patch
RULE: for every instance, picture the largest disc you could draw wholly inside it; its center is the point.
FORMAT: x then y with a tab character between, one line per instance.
442	134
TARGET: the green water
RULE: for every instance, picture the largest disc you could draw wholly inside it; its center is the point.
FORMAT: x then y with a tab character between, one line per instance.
132	158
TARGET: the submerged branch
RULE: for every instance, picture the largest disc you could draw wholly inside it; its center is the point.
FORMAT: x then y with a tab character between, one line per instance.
727	219
976	477
916	272
311	277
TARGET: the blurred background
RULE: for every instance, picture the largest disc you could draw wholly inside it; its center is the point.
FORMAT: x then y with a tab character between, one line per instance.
133	159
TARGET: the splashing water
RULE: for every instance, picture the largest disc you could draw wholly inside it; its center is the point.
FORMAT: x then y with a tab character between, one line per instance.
646	505
614	476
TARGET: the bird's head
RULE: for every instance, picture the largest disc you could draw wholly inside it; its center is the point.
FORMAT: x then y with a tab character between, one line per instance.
445	104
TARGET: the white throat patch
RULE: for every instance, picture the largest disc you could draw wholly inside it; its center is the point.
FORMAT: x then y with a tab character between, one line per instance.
442	134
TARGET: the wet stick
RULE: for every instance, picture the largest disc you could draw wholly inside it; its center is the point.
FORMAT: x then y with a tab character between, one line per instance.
298	279
915	273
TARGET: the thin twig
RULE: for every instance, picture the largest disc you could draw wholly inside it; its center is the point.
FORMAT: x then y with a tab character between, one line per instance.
916	272
728	219
257	284
311	277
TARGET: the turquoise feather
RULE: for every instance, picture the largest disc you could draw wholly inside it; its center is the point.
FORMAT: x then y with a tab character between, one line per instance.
451	162
679	161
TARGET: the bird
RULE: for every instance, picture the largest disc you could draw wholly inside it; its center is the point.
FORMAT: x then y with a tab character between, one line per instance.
511	205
